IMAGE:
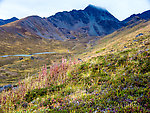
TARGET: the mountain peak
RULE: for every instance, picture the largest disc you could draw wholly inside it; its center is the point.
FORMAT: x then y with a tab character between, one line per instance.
14	18
90	7
33	16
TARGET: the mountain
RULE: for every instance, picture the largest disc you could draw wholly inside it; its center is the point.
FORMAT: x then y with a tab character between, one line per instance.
33	26
137	17
3	22
92	20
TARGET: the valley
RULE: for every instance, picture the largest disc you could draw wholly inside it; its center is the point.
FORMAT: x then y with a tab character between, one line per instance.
14	68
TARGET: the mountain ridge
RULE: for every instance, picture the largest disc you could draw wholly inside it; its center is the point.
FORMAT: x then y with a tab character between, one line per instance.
136	17
33	26
75	24
92	21
3	22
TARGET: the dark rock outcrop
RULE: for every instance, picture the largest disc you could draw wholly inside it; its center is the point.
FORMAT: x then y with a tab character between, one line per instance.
6	87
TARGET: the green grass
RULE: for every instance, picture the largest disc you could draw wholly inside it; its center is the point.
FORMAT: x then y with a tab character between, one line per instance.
117	82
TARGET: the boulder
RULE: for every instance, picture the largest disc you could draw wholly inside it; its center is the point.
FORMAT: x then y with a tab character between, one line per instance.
79	59
20	58
1	89
32	58
7	86
24	104
139	35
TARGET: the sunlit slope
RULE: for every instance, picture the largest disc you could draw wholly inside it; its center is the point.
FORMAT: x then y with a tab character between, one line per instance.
119	40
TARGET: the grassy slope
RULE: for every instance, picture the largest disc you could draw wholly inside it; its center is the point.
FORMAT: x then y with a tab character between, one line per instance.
113	78
116	41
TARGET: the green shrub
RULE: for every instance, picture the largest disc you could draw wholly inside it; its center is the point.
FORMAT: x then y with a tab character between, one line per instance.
31	95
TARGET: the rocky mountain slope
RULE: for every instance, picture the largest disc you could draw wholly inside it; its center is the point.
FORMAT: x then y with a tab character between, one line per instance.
33	26
93	21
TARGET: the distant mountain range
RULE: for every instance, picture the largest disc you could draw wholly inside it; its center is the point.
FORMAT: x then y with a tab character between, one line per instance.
3	22
137	17
92	21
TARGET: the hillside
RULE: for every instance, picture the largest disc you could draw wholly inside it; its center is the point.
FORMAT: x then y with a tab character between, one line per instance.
113	76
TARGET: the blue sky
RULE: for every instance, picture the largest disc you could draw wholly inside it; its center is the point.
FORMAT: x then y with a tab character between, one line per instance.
121	9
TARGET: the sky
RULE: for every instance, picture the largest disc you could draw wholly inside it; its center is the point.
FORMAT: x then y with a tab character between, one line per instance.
121	9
